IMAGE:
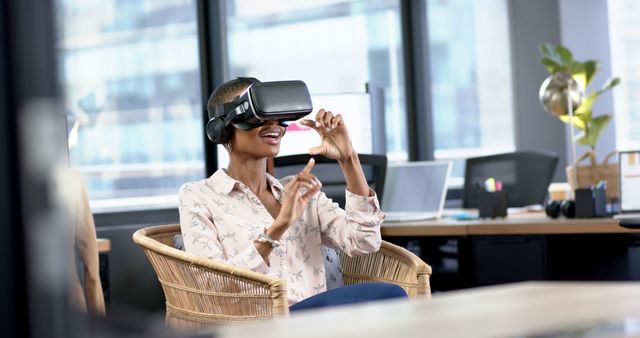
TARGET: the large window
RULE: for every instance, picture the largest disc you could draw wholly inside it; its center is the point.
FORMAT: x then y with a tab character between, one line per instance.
130	77
625	61
339	48
470	78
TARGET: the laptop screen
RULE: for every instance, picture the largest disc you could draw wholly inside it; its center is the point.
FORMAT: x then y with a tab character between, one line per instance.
629	181
416	186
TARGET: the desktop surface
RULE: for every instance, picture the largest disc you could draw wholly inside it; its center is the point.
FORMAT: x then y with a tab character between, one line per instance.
528	223
512	310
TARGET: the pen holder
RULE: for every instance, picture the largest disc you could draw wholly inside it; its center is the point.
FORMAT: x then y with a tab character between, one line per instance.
492	204
590	202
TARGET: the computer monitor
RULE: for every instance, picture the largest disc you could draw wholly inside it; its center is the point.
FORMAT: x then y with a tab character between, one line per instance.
629	162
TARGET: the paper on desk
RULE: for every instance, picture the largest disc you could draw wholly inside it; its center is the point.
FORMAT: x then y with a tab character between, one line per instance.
525	209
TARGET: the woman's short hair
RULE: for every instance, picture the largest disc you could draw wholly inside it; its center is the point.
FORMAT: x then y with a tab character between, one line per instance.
226	92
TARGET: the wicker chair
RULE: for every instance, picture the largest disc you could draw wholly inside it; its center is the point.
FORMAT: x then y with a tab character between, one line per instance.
201	292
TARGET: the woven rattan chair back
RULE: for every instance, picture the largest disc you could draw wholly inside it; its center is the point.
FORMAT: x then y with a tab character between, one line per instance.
391	264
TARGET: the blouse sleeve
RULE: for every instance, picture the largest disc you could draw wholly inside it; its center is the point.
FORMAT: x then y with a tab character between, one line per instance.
200	234
355	230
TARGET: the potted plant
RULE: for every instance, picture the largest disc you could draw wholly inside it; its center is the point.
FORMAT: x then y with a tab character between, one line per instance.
559	59
563	94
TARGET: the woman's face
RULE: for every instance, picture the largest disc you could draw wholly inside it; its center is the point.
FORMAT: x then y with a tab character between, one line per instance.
263	141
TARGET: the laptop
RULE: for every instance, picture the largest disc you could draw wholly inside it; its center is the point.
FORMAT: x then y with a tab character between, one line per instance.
629	162
415	191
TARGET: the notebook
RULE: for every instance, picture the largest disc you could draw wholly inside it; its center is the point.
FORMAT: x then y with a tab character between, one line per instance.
629	162
415	190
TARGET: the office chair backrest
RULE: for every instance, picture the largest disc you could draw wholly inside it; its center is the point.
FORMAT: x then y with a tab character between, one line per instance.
329	173
525	176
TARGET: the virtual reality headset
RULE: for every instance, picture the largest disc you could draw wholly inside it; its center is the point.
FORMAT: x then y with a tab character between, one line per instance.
266	101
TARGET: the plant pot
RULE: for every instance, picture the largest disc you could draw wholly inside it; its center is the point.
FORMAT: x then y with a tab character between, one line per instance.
589	175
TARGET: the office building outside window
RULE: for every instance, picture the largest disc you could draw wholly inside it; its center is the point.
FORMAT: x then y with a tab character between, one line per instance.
624	30
130	76
339	48
471	81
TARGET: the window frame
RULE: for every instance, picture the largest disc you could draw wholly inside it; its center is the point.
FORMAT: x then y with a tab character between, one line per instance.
417	79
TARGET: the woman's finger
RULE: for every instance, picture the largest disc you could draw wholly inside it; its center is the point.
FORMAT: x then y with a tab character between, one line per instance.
307	196
326	121
317	150
307	168
336	121
320	115
307	186
292	186
306	174
310	180
310	123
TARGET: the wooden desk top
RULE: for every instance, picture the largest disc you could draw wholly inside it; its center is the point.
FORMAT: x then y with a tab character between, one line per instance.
531	223
513	310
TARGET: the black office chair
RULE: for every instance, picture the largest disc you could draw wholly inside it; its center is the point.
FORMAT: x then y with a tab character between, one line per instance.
525	176
329	173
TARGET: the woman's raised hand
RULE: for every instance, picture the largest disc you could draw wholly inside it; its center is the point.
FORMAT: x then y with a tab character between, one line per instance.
335	140
293	202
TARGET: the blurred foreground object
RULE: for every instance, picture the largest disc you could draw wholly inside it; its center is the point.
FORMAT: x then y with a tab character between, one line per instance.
86	295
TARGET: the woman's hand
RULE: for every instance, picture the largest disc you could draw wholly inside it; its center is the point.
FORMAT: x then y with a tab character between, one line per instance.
335	140
293	203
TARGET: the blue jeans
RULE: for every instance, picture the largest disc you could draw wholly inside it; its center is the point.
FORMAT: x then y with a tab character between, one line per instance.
356	293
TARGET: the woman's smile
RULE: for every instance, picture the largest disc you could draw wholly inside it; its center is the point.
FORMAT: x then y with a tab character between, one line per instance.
271	135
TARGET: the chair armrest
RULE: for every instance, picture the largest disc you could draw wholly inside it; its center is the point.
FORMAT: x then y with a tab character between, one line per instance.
391	264
104	245
202	292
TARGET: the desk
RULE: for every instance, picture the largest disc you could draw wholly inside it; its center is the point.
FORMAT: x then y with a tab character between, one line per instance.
513	310
532	223
522	246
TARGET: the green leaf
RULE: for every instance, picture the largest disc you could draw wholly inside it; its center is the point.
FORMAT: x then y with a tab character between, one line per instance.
609	84
551	65
586	107
586	118
575	67
591	67
578	73
565	54
595	129
577	121
549	51
581	79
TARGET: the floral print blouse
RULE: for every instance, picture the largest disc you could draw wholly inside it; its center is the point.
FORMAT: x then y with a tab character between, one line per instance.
220	218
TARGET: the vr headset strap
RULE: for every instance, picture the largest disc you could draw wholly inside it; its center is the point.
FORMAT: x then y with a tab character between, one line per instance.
237	110
223	109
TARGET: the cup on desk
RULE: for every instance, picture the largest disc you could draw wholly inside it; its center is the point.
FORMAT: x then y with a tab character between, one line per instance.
560	191
492	204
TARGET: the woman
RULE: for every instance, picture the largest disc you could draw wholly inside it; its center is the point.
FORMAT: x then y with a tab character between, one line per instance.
245	217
